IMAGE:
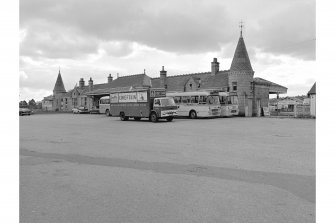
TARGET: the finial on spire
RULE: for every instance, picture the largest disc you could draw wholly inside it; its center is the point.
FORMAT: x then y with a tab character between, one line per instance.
241	26
59	70
144	71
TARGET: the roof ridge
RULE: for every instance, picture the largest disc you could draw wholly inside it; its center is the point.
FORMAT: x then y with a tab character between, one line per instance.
132	75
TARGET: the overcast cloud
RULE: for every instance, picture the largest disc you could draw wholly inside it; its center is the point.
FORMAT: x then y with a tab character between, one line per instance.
127	36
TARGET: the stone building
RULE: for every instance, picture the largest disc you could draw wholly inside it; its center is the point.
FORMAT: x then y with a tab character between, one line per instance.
88	95
253	92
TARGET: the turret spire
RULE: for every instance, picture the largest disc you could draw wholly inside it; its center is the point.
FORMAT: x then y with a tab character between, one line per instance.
59	85
241	26
241	59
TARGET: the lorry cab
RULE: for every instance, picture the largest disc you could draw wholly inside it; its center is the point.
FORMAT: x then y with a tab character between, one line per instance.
163	107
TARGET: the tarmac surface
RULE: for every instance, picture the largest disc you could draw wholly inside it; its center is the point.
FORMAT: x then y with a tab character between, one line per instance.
92	168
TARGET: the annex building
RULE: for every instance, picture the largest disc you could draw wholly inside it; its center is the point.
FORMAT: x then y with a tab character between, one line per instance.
253	92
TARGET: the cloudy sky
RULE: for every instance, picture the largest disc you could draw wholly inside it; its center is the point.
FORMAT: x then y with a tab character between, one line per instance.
94	38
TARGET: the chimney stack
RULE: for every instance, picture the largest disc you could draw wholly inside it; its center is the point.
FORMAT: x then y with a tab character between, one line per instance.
163	78
110	79
90	84
81	83
215	66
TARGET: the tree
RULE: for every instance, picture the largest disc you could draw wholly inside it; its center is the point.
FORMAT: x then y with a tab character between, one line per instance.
32	104
23	104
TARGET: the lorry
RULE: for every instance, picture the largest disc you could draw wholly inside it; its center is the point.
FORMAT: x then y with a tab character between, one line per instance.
149	103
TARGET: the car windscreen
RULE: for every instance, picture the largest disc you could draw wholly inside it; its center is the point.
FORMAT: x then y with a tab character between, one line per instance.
167	102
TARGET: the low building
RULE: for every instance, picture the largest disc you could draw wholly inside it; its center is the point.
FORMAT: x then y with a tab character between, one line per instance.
47	103
312	96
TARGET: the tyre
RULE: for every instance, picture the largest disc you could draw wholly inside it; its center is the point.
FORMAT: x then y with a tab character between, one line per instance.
123	117
107	112
169	119
137	118
193	115
153	117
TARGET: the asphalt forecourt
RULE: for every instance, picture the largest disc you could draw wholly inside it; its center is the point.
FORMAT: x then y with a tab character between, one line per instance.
93	168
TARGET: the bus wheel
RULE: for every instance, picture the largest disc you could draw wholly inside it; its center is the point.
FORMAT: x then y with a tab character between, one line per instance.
193	114
137	118
107	112
123	117
153	117
169	119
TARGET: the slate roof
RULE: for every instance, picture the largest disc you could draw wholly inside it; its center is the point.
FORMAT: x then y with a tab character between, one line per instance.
313	89
206	79
241	59
137	80
59	85
274	88
48	98
218	80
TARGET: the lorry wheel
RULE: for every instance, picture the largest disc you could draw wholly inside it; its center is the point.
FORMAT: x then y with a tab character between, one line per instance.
123	117
137	118
107	112
193	114
153	117
169	119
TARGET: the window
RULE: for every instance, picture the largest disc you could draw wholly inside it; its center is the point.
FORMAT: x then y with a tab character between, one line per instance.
190	85
203	100
177	100
234	84
185	99
194	99
165	86
85	102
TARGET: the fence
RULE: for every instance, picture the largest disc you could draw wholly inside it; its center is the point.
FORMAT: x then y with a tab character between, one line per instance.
302	111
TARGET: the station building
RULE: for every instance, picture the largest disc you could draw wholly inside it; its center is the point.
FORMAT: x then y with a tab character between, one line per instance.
253	92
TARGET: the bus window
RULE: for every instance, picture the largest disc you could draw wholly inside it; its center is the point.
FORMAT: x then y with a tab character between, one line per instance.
229	100
213	100
203	100
185	99
177	100
223	100
194	99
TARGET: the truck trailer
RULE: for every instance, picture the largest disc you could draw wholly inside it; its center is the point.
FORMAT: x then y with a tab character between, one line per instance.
149	103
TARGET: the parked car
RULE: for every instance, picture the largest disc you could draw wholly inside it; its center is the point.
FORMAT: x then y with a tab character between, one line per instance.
80	110
24	111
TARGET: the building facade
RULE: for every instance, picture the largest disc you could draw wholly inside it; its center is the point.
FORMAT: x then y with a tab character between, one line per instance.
253	92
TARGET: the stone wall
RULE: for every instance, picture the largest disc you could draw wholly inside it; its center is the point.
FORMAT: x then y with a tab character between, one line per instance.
261	98
243	79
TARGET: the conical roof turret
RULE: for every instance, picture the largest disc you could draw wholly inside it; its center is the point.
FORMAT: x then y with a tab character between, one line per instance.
59	85
241	59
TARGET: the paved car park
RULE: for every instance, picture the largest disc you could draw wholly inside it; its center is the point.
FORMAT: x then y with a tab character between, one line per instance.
93	168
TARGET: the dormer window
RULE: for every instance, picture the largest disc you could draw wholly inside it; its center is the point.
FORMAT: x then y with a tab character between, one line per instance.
190	85
234	86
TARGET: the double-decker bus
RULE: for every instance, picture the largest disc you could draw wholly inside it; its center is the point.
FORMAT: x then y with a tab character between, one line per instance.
229	104
196	104
104	105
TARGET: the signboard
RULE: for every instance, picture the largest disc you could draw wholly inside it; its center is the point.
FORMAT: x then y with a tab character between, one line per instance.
266	111
157	93
114	98
142	96
129	97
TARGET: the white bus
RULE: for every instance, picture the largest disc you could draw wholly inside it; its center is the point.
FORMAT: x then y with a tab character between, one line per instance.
229	104
104	105
196	104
